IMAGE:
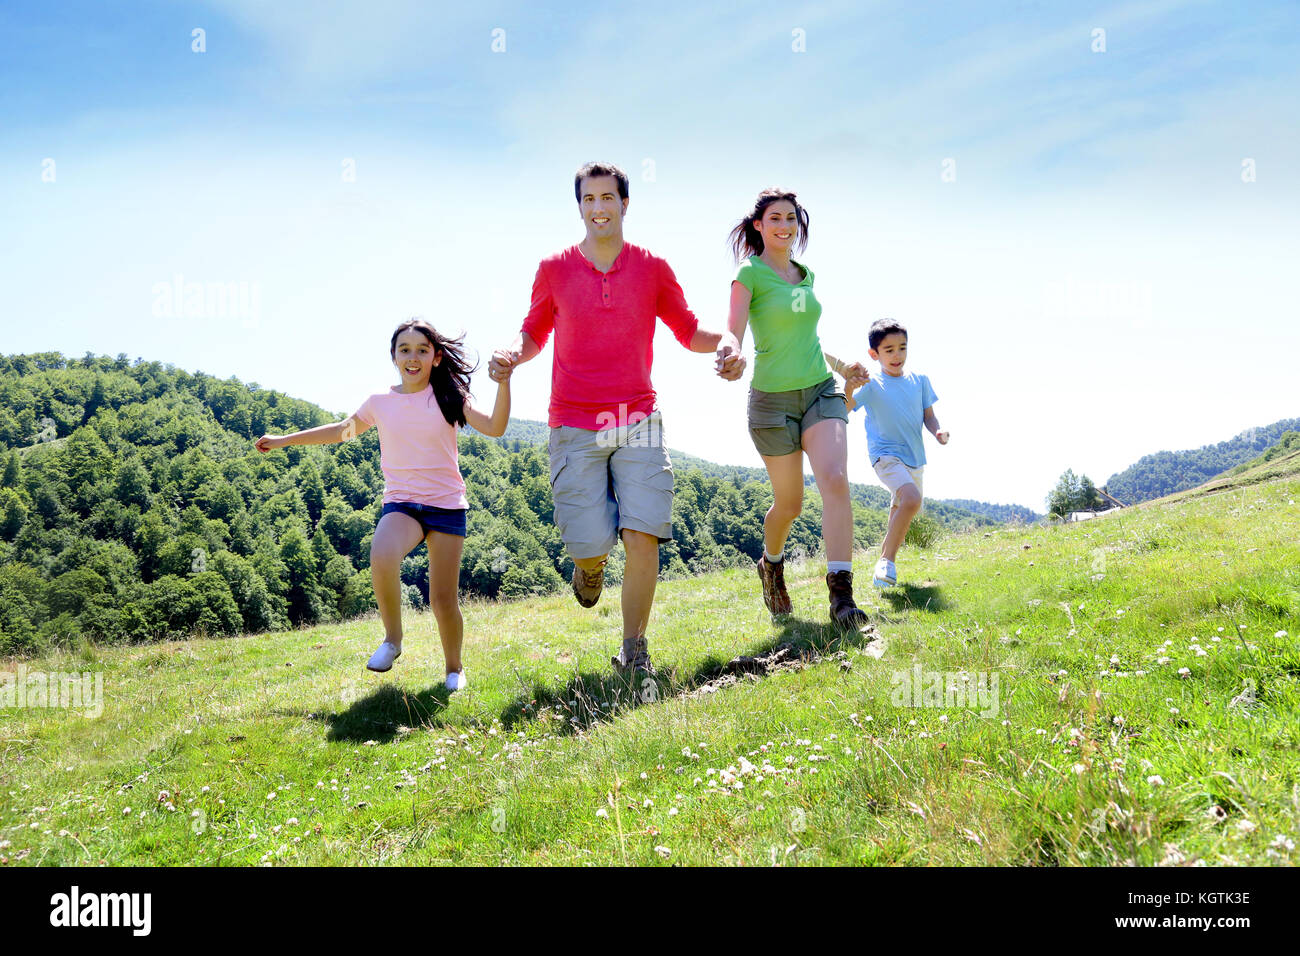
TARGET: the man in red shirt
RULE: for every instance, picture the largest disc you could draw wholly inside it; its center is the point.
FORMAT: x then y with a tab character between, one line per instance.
610	470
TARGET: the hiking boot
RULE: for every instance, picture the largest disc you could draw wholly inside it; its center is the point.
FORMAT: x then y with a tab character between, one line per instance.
843	611
633	658
587	585
774	593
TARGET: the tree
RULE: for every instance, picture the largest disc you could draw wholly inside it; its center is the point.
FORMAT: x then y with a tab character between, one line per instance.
1073	493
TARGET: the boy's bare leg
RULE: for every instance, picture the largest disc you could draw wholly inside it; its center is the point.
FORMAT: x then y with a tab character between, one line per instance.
640	575
395	537
900	519
444	593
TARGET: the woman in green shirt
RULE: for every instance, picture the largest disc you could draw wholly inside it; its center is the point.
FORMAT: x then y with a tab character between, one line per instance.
795	407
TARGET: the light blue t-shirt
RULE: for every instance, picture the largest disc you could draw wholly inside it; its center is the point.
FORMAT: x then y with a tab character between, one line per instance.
896	407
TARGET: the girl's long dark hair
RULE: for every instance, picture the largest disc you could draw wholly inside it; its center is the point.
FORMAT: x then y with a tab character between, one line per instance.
745	240
450	377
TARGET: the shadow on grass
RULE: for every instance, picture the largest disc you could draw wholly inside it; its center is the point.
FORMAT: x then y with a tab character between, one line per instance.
588	699
378	716
910	597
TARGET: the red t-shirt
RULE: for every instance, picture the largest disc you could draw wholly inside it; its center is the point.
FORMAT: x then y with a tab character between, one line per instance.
604	324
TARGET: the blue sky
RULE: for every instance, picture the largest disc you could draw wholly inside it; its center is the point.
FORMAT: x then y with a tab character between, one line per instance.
1097	281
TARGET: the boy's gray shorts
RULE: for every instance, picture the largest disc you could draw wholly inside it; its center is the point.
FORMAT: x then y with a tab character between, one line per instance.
604	481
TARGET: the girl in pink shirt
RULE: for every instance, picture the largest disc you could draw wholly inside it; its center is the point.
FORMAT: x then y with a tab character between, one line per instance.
424	493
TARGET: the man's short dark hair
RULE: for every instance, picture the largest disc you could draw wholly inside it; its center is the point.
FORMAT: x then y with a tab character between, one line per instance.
599	169
882	327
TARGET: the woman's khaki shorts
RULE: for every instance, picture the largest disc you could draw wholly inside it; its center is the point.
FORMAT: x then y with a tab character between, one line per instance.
893	474
777	420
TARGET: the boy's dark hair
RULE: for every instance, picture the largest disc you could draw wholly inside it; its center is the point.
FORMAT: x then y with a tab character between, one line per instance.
450	377
599	169
744	238
882	327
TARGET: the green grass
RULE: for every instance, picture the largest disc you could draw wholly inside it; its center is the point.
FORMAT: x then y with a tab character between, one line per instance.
281	748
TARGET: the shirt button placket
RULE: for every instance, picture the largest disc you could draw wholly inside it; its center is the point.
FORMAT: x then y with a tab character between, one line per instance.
604	289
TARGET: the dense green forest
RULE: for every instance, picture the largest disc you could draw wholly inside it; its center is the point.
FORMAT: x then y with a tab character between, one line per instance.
1167	472
133	506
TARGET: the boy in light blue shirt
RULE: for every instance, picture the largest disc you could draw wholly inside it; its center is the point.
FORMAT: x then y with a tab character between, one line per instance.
898	403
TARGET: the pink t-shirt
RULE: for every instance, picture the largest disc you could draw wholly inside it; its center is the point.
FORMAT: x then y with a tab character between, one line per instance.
417	448
604	324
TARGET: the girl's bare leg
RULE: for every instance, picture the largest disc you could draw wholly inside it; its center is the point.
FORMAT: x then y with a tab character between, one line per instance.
395	537
444	593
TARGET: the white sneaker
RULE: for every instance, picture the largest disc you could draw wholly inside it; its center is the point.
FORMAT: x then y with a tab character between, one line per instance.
382	659
456	681
885	574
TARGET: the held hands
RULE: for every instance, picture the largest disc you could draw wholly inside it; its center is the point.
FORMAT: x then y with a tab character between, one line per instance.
730	363
502	365
855	376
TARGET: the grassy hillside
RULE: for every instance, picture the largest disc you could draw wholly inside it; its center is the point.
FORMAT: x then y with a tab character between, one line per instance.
1280	461
1146	712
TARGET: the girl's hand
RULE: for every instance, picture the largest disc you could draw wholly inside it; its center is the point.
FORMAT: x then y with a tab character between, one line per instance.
502	364
941	437
269	442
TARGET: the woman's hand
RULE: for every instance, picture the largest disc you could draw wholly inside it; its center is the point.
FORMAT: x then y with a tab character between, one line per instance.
730	362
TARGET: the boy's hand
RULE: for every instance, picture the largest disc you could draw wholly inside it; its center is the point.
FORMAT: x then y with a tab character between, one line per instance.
269	442
941	437
857	377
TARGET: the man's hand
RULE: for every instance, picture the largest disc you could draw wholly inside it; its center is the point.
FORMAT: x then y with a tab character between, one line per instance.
502	364
941	437
269	443
730	363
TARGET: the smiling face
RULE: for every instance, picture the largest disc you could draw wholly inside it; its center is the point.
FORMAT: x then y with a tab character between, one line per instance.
891	353
602	208
779	226
415	357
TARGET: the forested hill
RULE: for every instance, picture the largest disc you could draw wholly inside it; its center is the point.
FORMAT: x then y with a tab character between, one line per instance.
133	506
1167	472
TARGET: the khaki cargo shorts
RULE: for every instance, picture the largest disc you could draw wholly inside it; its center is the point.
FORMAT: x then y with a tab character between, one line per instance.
893	474
777	420
604	481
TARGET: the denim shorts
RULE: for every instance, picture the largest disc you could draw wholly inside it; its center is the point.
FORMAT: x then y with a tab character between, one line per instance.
604	481
446	520
777	420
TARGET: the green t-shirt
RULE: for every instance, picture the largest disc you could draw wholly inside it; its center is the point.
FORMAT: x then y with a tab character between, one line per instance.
787	352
